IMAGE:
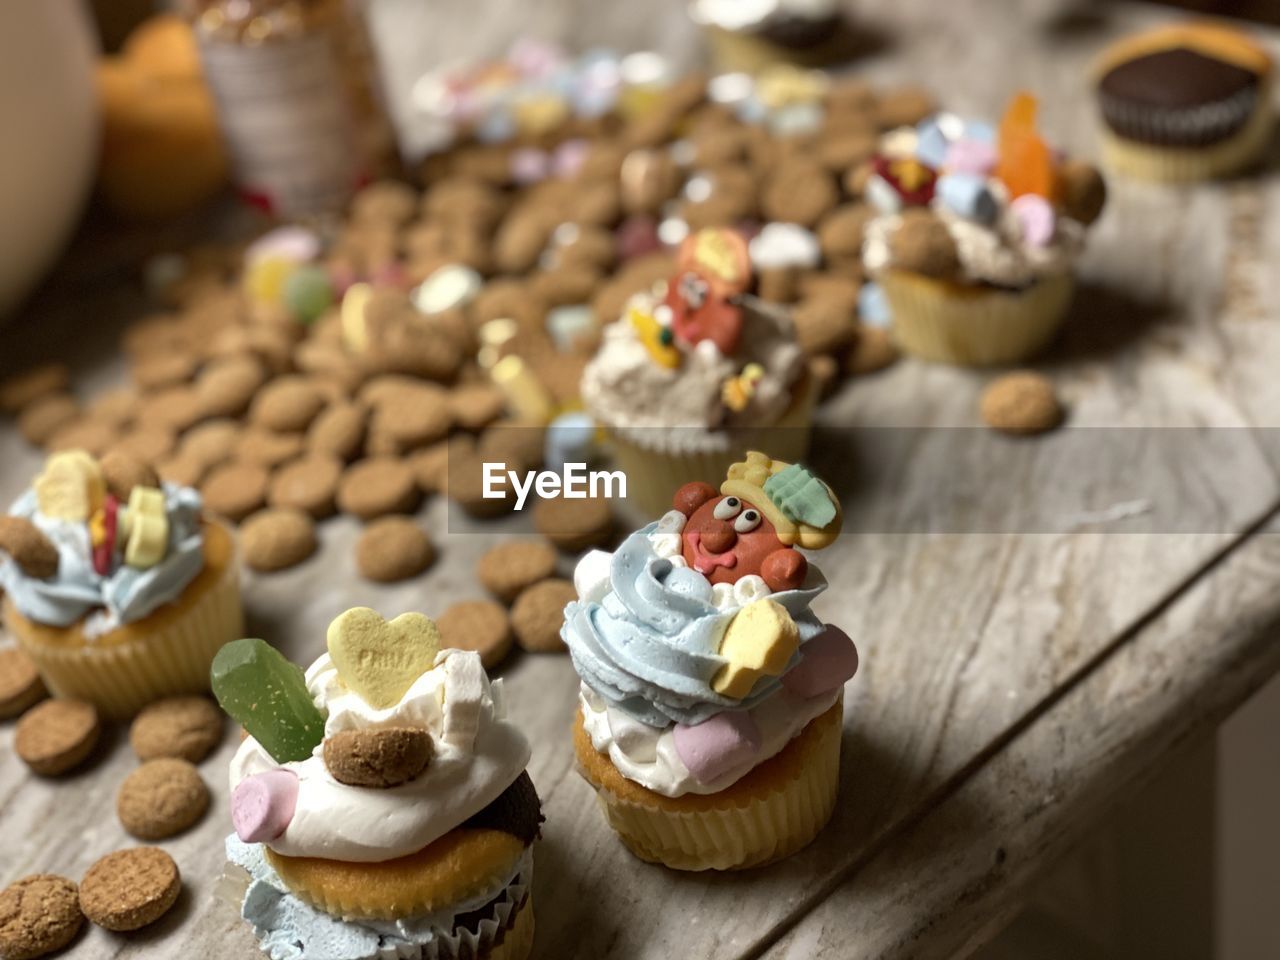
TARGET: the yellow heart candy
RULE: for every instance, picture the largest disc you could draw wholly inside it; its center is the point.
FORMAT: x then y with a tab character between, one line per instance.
71	487
355	332
147	527
759	641
380	659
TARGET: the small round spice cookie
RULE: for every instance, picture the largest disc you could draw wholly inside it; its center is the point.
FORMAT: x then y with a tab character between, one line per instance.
339	430
28	546
574	525
129	889
24	388
148	442
287	404
465	485
267	448
235	490
392	549
95	437
476	405
117	406
309	484
509	568
161	799
157	370
44	417
799	192
430	466
185	727
38	914
381	758
376	487
182	469
121	472
538	613
479	625
227	386
410	414
211	443
56	736
923	244
1022	402
873	349
277	538
20	684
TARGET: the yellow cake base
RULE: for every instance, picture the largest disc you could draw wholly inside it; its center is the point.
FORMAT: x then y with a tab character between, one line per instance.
654	474
972	326
1144	161
164	654
773	811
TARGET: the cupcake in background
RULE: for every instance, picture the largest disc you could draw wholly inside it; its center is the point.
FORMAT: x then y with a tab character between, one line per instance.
976	233
749	35
1185	102
709	718
117	585
380	801
696	373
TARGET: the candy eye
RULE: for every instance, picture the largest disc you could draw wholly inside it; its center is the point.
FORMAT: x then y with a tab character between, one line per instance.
727	508
747	522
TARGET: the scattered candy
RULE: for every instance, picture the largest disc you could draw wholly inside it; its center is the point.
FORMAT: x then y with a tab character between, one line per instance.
262	805
268	696
446	288
570	439
355	331
527	398
657	337
145	528
737	391
71	487
264	278
1036	217
718	745
826	662
911	180
759	641
1025	164
308	292
568	324
292	243
977	157
873	306
380	659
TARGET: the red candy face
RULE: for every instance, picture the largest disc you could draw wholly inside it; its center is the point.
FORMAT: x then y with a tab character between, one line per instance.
727	538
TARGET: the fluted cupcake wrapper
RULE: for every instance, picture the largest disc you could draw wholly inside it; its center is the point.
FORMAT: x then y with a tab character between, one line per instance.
122	678
657	462
770	826
975	326
1161	164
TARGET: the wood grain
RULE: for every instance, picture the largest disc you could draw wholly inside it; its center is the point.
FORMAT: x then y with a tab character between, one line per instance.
966	637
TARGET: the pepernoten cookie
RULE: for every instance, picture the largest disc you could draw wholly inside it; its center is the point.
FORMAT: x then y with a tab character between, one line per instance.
277	539
161	799
130	889
479	625
537	614
185	727
392	549
56	736
20	684
507	569
38	915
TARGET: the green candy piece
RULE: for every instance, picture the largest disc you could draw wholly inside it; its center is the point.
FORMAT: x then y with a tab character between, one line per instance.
308	293
801	496
267	695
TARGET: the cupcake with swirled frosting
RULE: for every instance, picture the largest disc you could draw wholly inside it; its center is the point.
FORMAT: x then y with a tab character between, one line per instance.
380	802
117	585
710	707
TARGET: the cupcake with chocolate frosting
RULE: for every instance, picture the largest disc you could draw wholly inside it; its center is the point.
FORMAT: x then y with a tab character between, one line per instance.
118	586
380	801
1185	102
710	708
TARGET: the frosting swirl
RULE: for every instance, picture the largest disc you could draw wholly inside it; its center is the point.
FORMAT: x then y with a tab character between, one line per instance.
127	594
478	754
646	637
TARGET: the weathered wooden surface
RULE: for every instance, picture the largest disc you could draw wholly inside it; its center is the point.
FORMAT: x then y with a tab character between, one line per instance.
990	659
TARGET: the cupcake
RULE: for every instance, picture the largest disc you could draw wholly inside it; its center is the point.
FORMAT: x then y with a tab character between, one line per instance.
117	585
976	233
380	801
698	372
709	717
1185	102
749	35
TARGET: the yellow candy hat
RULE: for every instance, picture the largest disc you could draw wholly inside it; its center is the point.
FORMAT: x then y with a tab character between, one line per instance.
803	509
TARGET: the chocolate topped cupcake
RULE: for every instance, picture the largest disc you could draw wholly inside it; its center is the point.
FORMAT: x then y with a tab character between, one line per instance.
1185	102
752	34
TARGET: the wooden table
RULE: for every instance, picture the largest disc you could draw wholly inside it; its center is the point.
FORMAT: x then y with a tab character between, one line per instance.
1015	681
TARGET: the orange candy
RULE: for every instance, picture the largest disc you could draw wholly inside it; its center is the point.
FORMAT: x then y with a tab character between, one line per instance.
1025	164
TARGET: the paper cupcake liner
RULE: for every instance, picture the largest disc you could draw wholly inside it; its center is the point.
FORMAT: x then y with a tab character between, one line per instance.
1238	152
505	933
658	462
174	658
975	326
770	826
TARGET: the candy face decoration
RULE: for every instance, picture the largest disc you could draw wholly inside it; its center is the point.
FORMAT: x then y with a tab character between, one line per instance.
726	538
714	267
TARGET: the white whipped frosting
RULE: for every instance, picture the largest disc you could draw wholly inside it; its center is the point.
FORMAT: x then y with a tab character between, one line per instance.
478	754
648	756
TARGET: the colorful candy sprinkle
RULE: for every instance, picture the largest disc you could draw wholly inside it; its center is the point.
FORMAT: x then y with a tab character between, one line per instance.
267	695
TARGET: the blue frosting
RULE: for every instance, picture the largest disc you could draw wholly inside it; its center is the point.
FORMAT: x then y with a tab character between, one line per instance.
650	646
127	594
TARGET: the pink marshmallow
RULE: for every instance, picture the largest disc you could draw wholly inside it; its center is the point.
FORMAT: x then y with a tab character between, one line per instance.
263	805
1037	218
970	156
827	661
716	746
